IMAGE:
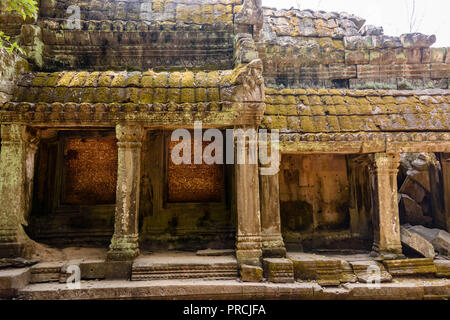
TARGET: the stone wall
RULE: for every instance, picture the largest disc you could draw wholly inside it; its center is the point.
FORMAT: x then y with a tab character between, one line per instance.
314	201
137	35
303	49
11	66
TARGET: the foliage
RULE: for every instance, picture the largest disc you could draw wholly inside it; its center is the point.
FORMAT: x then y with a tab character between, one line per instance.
26	9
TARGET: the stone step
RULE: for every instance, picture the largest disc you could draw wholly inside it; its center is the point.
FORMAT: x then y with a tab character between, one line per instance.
410	267
164	267
327	271
12	280
278	270
442	268
46	272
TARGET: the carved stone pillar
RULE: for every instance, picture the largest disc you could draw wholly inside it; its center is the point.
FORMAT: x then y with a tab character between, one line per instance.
248	242
272	240
269	194
124	243
19	146
445	164
385	215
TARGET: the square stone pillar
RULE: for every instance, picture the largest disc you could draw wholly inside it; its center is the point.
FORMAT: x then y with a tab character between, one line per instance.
385	214
248	238
17	160
445	164
272	239
125	241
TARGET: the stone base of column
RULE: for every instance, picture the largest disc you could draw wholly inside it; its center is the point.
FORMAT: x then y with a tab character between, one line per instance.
123	248
383	254
273	246
15	250
14	246
248	250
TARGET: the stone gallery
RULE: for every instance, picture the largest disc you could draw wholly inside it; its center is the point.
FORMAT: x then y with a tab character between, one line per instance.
88	186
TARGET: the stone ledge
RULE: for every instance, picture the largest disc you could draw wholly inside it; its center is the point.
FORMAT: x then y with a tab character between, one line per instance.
202	289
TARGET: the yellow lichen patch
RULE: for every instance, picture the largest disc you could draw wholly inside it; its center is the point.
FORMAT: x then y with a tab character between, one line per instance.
213	94
147	81
102	94
389	100
303	99
317	110
88	95
213	79
79	79
60	94
39	80
200	95
293	124
278	99
92	79
160	95
134	79
174	95
333	123
338	99
146	95
175	80
278	122
119	80
314	100
133	94
341	109
345	123
307	124
46	94
187	79
65	79
321	123
105	79
329	109
52	80
299	91
271	109
187	95
160	80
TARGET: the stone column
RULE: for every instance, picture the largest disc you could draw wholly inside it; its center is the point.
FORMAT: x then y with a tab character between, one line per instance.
17	159
385	216
269	193
445	164
124	243
248	242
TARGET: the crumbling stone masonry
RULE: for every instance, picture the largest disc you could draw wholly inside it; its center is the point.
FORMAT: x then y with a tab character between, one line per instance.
348	102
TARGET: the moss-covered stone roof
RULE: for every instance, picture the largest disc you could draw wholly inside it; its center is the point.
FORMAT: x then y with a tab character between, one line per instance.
351	111
122	87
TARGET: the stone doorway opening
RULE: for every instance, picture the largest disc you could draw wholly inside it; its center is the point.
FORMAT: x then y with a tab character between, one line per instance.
74	190
324	204
185	207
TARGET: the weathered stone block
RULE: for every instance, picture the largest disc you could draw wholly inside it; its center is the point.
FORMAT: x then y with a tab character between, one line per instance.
118	270
370	272
417	243
251	273
46	272
278	270
442	268
440	239
13	280
410	267
92	270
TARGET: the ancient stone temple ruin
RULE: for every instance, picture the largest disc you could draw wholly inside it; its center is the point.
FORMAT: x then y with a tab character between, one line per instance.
86	123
